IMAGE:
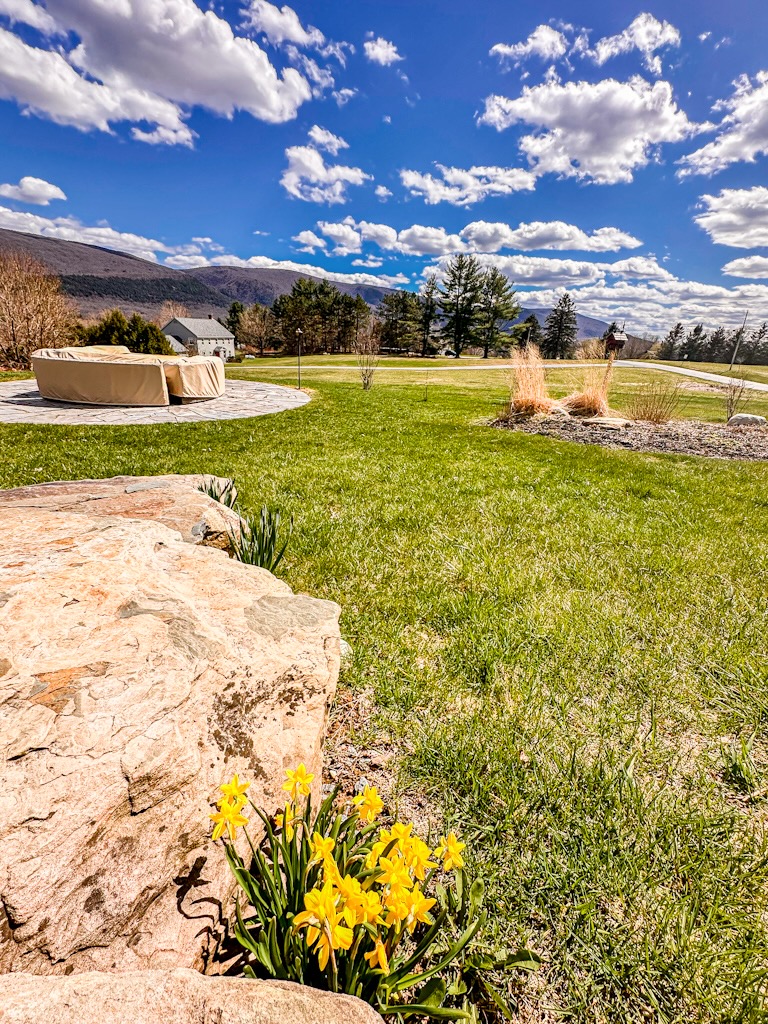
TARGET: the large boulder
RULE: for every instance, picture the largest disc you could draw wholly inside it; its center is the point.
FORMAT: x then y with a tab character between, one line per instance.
747	419
171	997
137	672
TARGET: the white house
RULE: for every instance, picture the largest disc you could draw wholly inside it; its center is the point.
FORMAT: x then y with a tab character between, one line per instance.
201	336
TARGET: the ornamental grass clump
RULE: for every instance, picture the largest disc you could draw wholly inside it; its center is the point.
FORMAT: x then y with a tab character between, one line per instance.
592	397
530	395
335	901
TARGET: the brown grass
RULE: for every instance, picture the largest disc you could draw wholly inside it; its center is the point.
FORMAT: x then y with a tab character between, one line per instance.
657	402
592	398
529	394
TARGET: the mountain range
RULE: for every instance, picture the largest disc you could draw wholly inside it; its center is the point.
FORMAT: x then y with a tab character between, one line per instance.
99	279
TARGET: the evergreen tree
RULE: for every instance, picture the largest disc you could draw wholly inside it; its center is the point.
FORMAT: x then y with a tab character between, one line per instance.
529	332
459	302
671	345
497	308
399	314
232	319
428	311
754	348
560	330
613	326
136	334
694	343
718	347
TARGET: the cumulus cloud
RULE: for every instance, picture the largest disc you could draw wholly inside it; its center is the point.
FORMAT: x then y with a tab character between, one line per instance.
308	241
736	217
381	51
266	262
35	191
743	132
133	63
369	261
748	266
73	230
544	42
310	178
26	12
280	24
343	96
464	187
323	139
600	132
349	236
646	34
556	234
382	192
539	270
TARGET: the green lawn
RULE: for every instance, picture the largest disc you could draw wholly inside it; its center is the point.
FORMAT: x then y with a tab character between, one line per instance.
567	644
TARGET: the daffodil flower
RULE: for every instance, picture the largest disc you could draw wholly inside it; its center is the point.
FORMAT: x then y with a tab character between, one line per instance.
450	851
228	818
298	782
322	848
378	957
235	790
369	804
285	819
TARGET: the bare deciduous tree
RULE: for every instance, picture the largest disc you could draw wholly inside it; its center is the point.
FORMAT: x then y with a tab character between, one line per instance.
256	327
170	310
33	311
367	344
736	397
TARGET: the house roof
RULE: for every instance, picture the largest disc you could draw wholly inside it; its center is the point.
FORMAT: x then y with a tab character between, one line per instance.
176	345
618	336
202	327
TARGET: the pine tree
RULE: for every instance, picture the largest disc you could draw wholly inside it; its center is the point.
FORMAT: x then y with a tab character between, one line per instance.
670	347
399	313
428	311
560	330
694	343
498	306
529	332
459	302
754	348
232	320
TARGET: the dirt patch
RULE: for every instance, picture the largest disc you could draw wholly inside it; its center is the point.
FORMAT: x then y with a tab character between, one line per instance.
681	437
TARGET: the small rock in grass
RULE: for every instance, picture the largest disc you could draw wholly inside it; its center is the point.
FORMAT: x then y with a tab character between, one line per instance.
746	419
609	422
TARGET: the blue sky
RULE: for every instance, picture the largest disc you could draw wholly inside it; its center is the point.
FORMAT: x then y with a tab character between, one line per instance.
617	151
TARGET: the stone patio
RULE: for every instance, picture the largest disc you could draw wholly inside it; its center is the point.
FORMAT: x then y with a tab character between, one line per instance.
20	402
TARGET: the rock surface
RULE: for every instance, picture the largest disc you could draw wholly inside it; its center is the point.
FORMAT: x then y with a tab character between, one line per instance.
137	672
607	422
746	419
171	997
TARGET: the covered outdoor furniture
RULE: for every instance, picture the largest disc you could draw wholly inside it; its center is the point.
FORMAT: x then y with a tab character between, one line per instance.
111	375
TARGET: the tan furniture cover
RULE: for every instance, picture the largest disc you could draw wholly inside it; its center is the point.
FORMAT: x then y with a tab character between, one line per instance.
194	377
112	375
100	377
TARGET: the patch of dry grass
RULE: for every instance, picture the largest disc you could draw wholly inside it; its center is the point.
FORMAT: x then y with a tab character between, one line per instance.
595	382
529	392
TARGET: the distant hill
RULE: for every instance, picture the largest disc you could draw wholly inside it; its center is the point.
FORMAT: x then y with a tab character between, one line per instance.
99	279
250	284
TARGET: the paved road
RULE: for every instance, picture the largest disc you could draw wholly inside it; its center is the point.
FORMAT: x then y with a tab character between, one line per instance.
640	364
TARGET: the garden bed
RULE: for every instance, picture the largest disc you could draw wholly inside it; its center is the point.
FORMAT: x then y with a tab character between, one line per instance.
681	437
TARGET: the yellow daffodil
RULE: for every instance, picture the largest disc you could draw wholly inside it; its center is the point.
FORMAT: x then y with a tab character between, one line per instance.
322	848
417	856
419	907
319	904
285	821
229	818
394	873
450	851
333	936
373	857
298	782
235	790
369	804
396	908
378	957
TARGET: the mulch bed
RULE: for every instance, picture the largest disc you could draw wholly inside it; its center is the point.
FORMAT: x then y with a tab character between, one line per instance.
682	437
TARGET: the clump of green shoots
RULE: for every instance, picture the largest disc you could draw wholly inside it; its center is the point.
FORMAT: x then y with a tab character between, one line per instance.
223	491
259	541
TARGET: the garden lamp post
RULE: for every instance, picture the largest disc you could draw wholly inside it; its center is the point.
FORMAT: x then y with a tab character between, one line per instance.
298	348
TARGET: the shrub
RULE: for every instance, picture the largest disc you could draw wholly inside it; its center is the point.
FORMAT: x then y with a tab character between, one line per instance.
367	348
657	402
257	542
736	397
529	393
33	311
336	902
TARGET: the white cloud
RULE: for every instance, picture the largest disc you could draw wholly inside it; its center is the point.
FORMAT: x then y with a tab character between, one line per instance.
133	63
73	230
343	96
544	42
280	24
310	178
34	191
490	237
600	132
748	266
309	241
646	34
26	12
743	132
323	139
381	51
736	217
265	262
382	192
539	270
463	187
345	237
369	261
703	36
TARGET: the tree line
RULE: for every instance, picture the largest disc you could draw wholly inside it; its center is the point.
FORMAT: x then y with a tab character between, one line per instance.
716	346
